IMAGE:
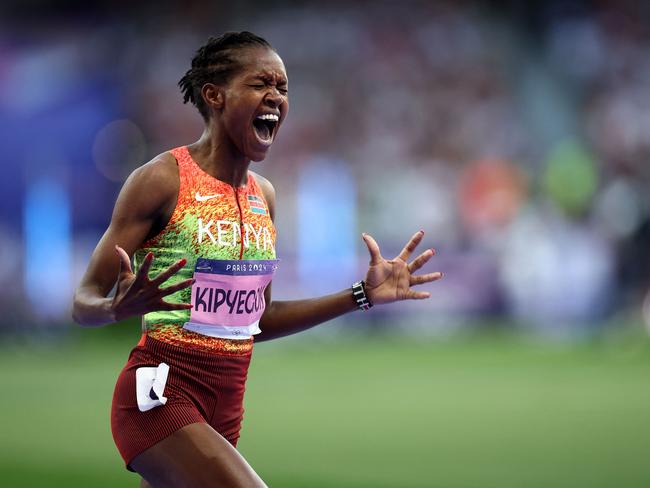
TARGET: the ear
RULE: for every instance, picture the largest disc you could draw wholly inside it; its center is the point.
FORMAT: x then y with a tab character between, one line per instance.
213	96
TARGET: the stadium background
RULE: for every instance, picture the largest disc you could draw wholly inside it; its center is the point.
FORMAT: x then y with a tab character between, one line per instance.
516	134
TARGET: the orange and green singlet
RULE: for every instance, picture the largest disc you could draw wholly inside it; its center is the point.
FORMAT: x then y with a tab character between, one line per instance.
212	221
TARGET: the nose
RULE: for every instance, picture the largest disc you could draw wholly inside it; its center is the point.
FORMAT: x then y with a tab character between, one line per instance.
274	98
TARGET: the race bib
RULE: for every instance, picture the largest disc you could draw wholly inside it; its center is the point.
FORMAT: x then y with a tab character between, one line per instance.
228	297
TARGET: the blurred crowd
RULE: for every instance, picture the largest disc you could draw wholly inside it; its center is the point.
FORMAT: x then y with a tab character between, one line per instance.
517	138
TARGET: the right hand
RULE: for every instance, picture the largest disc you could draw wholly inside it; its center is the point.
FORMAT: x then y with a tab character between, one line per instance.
136	294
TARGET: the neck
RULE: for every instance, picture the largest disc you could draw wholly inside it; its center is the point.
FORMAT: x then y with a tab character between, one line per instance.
217	156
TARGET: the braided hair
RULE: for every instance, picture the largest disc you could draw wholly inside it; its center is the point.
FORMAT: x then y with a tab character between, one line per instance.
215	62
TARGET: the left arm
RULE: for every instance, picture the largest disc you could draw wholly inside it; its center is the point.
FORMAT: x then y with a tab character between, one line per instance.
386	281
282	318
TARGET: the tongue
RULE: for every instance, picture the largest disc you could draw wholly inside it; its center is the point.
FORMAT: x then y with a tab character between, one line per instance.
262	130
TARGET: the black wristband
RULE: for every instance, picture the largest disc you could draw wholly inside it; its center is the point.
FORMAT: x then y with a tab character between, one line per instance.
359	295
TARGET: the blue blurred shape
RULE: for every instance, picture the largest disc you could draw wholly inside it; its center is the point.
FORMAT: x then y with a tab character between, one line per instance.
326	216
47	232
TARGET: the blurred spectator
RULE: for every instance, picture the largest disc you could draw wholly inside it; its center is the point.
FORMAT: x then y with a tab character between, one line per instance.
450	117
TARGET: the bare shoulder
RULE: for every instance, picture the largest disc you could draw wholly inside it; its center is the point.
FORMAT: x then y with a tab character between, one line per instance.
265	184
151	187
161	173
268	191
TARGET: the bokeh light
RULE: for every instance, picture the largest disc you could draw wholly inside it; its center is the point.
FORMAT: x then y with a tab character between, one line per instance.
492	193
570	178
118	149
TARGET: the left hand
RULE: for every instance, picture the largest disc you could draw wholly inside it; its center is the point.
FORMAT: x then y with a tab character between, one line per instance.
390	280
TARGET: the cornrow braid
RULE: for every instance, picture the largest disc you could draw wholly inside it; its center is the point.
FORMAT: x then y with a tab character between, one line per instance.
215	62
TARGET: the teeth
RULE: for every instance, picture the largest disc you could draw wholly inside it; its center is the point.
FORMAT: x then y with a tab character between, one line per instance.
272	117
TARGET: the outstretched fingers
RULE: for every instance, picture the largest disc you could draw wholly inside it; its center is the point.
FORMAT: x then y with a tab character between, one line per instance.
425	278
421	260
177	287
373	249
125	260
174	306
411	245
143	272
169	272
418	295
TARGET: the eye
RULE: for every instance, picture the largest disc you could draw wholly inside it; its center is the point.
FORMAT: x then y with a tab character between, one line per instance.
258	86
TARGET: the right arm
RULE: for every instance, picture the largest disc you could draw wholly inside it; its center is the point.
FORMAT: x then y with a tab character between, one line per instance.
144	205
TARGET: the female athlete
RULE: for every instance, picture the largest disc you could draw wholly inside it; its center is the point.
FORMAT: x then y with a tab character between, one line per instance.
199	225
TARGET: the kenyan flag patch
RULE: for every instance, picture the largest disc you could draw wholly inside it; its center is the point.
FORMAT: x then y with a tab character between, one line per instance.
256	205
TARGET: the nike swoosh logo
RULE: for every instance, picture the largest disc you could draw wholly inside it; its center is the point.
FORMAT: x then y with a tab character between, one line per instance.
203	198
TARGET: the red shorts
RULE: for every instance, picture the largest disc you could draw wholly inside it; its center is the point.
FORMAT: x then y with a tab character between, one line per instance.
201	387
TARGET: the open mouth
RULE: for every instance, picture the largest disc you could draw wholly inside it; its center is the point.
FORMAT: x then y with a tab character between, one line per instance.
265	127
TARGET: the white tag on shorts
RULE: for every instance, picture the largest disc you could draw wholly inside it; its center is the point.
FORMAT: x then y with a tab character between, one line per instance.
150	386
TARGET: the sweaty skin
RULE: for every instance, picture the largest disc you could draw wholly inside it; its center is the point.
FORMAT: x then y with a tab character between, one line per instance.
196	455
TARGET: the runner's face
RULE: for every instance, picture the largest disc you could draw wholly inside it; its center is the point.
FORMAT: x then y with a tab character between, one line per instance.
256	102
